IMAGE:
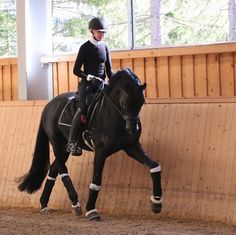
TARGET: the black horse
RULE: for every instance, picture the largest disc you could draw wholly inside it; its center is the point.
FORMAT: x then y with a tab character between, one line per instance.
114	126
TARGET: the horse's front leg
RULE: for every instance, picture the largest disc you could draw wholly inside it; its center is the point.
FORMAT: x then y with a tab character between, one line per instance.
138	154
95	186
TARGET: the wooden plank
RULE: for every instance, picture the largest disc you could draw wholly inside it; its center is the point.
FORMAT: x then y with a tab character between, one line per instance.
127	63
14	82
116	65
138	69
175	51
207	160
227	74
213	75
10	125
163	77
1	83
230	174
167	150
4	116
187	76
122	193
215	162
63	77
21	150
175	76
73	79
234	63
222	165
8	60
7	82
200	115
141	173
115	168
191	134
151	77
104	194
154	52
200	75
55	79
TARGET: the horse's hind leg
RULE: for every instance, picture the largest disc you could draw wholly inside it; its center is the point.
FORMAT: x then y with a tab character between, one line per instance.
60	168
49	184
62	156
138	154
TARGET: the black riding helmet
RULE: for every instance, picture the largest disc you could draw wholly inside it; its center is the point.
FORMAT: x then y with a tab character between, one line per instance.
98	23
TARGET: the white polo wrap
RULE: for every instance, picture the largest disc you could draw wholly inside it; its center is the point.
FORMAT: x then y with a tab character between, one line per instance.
51	178
156	200
77	205
63	175
155	169
90	212
94	187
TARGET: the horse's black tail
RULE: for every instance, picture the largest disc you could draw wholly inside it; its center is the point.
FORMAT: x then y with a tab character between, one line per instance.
33	180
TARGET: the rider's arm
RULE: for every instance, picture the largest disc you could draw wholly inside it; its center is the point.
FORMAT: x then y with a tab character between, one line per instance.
108	63
78	64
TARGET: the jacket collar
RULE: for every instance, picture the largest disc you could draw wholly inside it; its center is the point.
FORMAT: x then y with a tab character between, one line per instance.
95	42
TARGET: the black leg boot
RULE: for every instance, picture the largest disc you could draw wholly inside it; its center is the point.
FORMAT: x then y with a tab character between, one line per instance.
73	146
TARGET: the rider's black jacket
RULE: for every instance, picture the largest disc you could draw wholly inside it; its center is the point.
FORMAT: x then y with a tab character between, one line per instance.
94	57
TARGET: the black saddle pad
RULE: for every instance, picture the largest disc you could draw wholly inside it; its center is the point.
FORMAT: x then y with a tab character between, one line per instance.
72	106
68	112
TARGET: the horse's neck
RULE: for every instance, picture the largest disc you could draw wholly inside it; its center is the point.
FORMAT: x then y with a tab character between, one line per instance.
107	109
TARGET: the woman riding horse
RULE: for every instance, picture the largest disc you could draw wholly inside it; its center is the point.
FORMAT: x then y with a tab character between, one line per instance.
94	56
115	126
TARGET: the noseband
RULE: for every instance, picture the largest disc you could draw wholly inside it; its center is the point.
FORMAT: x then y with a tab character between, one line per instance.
131	118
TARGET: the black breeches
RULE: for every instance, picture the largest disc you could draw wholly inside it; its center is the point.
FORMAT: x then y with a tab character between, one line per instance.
84	89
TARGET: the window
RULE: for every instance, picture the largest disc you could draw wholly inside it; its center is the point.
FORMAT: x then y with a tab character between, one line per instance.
139	23
71	18
8	43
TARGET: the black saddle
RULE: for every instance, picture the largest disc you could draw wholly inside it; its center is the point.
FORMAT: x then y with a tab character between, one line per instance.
72	106
68	111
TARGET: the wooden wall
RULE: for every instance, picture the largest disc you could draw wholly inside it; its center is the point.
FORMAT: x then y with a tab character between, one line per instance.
174	72
8	79
194	140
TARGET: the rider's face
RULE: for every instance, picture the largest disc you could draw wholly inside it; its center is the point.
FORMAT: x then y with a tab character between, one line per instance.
98	35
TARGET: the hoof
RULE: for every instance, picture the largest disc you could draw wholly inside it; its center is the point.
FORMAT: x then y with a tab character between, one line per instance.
44	211
156	208
93	215
76	209
156	204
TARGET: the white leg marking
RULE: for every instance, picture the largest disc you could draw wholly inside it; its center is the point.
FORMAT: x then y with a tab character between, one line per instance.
155	169
77	205
63	175
94	187
51	178
155	200
90	212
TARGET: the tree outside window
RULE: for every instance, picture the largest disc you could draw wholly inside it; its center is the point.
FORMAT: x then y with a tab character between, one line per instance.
131	23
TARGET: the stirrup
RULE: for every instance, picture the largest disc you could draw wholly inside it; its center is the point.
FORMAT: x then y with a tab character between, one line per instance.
74	149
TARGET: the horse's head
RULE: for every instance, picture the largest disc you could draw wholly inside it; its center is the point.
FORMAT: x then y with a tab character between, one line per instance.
130	97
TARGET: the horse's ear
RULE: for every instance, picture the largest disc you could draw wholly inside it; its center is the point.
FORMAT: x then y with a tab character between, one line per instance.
142	87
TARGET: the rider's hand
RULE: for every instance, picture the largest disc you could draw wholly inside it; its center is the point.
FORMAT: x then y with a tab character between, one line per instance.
90	77
83	118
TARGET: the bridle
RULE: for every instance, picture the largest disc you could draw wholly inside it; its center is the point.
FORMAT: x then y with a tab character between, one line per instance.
125	117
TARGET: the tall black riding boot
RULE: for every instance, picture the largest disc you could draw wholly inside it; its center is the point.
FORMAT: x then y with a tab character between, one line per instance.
73	145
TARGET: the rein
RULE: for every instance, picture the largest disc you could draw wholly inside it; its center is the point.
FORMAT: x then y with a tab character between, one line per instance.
126	118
